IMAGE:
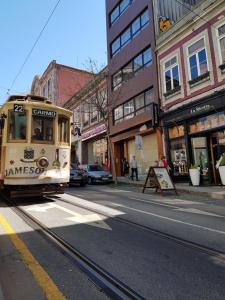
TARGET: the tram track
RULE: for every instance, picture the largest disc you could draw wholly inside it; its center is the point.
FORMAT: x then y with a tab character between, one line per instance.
183	242
102	279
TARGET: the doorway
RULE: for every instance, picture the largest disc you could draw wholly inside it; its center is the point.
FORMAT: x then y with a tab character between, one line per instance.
200	157
217	148
206	151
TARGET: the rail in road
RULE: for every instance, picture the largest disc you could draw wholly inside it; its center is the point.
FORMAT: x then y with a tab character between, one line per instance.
112	286
186	243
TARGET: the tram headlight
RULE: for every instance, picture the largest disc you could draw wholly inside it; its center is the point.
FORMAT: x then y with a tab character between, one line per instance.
42	162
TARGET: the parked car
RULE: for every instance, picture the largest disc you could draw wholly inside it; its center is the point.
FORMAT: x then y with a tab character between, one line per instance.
96	174
78	176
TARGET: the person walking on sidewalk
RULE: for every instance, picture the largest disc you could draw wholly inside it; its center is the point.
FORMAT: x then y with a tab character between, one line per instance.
133	165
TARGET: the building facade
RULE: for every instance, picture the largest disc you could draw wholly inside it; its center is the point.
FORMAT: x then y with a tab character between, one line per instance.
89	142
59	82
132	84
191	62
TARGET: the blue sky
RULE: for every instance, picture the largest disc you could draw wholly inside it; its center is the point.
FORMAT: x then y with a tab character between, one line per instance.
75	33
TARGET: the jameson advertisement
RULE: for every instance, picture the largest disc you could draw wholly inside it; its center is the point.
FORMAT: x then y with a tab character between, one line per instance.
23	171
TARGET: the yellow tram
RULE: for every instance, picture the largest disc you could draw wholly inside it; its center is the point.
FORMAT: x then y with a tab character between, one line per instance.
35	145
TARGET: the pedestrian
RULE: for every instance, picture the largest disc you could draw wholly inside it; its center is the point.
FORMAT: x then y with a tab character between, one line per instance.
125	167
163	163
134	170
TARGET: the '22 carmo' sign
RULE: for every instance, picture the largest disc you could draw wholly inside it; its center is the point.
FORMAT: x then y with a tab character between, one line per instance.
43	113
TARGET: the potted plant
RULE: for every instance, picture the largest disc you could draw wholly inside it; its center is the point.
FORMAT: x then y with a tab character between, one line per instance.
222	169
194	172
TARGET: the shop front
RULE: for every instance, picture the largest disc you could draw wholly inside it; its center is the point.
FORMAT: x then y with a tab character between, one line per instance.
95	146
142	143
195	135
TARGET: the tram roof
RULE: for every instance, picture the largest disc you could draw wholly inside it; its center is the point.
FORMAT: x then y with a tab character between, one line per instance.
28	97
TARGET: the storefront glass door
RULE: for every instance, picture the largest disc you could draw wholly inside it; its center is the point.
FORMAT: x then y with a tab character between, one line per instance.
200	156
217	145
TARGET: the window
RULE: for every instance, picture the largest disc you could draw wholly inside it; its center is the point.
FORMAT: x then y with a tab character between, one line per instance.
147	57
129	33
123	5
129	109
63	129
17	125
86	114
42	129
136	26
116	46
114	15
171	75
144	18
118	10
221	35
118	114
197	59
49	88
140	103
133	107
139	62
127	71
44	91
94	112
117	80
125	37
149	97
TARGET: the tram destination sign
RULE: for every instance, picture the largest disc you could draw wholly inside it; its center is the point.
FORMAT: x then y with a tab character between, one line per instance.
43	113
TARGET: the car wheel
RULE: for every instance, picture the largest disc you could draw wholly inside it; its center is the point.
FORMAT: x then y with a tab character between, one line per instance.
82	184
89	180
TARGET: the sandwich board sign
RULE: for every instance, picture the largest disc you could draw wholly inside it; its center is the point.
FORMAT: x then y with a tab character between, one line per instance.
160	179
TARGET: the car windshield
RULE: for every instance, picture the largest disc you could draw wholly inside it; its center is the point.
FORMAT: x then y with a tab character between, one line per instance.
95	168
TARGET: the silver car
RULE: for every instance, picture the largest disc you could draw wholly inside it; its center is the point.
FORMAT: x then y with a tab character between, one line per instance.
96	174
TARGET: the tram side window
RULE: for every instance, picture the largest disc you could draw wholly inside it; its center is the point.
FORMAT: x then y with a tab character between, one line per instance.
63	129
17	125
42	129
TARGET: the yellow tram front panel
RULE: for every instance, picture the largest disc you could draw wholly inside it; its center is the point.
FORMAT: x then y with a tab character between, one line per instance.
35	142
25	165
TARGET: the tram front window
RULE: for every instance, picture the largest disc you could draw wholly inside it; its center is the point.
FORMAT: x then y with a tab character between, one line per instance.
42	129
63	129
17	125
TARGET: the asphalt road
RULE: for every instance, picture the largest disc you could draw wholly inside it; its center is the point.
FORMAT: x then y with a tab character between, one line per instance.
155	266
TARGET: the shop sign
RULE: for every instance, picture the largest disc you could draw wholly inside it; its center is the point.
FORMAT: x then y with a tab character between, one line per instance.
43	113
201	108
209	122
159	178
139	142
91	133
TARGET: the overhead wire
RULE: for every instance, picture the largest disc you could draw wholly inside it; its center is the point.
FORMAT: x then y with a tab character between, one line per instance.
34	45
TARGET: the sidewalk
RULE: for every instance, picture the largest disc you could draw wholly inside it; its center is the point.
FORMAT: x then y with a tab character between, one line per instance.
215	192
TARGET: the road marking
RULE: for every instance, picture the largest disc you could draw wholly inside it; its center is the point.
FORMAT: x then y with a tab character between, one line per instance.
91	219
174	220
115	191
50	290
197	211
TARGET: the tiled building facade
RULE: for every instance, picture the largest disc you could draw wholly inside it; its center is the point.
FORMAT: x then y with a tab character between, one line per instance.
191	63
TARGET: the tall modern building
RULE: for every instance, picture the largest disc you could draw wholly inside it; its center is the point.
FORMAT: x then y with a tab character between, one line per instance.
132	84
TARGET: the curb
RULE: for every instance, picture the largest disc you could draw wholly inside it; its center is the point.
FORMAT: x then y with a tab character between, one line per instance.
213	195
